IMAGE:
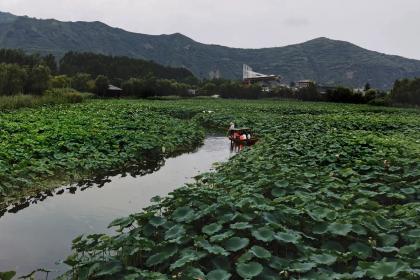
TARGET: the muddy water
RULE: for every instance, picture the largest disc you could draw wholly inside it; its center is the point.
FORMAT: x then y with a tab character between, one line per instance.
38	232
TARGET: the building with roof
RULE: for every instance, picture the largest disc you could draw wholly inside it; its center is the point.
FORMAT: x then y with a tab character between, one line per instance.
267	82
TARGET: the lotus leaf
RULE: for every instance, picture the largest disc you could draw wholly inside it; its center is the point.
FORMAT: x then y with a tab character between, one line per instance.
183	214
383	269
236	243
211	229
339	229
260	252
287	237
265	234
175	232
324	259
218	274
249	270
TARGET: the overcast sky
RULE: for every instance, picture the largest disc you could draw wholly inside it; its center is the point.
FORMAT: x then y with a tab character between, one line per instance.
390	26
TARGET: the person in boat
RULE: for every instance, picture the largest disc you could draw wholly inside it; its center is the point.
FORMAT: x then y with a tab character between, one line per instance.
231	126
231	129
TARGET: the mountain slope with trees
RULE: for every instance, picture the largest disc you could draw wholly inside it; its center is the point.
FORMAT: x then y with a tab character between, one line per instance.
326	61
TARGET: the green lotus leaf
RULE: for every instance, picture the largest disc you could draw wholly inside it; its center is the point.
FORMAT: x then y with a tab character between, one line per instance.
382	222
287	237
236	243
278	192
245	257
326	259
281	184
212	249
309	175
383	269
302	267
260	252
408	191
187	256
212	228
194	273
347	172
388	239
218	274
122	222
175	232
161	256
320	228
265	234
221	236
272	218
361	250
358	229
228	217
8	275
240	225
156	199
332	245
278	263
249	270
220	262
387	249
183	214
157	221
109	268
415	233
339	229
318	214
268	274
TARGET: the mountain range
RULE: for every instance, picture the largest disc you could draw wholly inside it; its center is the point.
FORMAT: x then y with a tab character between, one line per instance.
327	61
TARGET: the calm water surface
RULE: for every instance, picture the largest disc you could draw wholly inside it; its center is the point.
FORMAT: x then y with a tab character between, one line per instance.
39	232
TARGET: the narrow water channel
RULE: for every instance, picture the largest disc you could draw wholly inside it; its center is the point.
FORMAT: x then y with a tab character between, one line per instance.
39	232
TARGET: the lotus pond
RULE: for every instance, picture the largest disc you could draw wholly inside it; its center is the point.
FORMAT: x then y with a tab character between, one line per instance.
330	192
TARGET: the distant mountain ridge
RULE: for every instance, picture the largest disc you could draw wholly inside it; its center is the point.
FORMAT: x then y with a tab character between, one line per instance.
326	61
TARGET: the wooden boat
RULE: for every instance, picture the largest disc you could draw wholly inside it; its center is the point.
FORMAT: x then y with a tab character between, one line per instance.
234	136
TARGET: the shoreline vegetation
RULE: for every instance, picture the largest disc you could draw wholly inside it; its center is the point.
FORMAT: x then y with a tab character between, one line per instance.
61	144
50	97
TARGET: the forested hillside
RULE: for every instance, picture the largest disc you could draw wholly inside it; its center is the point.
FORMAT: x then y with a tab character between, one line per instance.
324	60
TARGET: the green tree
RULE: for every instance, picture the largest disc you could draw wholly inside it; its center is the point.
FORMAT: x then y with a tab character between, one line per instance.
80	82
61	81
49	61
12	79
309	93
101	85
38	80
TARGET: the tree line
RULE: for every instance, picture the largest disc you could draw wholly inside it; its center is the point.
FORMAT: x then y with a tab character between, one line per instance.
87	72
22	73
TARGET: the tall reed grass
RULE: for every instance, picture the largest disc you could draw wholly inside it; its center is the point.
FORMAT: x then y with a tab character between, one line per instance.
50	97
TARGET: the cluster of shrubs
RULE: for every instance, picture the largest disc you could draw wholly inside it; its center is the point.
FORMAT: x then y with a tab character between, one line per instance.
406	92
49	97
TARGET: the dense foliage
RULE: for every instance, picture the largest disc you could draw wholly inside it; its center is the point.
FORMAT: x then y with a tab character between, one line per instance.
64	143
115	67
406	92
11	56
50	97
16	79
330	192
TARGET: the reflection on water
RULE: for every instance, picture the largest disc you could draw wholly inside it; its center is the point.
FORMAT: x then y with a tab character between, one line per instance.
154	163
37	231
